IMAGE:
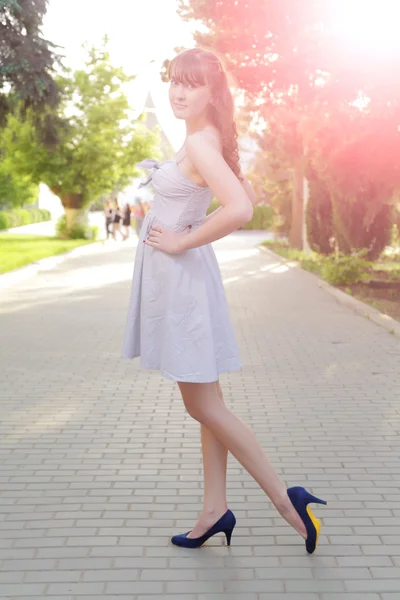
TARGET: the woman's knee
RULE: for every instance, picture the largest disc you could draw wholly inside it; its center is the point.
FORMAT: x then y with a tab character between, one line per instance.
197	413
203	402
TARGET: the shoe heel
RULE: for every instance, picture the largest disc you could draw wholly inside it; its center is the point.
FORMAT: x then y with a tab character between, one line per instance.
225	525
228	533
311	498
301	498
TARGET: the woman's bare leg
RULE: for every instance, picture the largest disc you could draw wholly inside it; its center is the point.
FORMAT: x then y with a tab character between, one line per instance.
215	458
204	404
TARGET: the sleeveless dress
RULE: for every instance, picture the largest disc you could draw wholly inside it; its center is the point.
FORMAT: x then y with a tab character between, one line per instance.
178	319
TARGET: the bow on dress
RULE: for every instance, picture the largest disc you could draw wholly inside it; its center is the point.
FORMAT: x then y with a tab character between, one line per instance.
148	163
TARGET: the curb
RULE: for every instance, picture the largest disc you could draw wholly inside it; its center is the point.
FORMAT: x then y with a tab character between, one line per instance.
45	264
391	325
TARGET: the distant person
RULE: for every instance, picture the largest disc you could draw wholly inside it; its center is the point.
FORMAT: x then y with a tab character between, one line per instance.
108	214
140	214
117	218
126	221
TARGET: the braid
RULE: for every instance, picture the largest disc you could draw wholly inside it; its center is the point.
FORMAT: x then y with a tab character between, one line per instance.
222	116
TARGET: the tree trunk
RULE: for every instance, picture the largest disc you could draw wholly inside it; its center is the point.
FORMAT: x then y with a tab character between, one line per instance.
75	216
72	201
75	213
306	194
296	235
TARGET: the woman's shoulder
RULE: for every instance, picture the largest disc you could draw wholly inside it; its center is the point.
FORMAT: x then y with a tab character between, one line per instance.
203	139
208	133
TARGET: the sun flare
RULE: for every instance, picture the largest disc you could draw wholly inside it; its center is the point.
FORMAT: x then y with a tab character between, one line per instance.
368	27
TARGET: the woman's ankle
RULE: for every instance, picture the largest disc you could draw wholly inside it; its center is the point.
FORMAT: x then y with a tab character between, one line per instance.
215	510
281	500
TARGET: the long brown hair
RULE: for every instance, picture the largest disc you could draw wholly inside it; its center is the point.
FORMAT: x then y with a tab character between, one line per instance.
200	67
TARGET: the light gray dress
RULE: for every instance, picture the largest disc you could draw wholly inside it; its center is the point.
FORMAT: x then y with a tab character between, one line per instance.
178	319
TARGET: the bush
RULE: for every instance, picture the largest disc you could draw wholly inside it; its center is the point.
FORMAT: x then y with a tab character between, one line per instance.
336	269
4	220
94	230
23	216
39	214
13	220
344	269
263	216
61	227
78	232
34	214
352	233
19	216
46	214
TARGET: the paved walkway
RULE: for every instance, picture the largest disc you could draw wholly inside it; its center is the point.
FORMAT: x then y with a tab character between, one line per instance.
101	464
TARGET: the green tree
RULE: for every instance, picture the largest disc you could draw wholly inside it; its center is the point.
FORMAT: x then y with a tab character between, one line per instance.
270	175
288	58
26	59
353	158
98	144
17	185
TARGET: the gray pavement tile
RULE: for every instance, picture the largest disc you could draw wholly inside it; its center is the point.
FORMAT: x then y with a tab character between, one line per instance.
100	464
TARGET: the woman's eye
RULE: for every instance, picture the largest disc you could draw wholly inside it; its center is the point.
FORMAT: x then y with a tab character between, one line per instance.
190	86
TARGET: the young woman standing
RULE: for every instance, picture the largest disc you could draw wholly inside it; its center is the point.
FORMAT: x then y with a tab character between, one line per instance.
178	318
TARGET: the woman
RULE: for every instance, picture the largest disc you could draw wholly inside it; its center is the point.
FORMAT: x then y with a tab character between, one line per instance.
139	216
117	217
178	320
108	214
126	221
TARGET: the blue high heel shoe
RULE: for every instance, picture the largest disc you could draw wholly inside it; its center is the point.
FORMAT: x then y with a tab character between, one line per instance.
225	524
300	499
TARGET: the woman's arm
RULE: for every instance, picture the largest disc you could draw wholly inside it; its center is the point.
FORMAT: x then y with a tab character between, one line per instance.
250	193
212	215
236	207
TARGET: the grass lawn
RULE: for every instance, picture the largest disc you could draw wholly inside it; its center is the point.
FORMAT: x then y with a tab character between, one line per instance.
19	250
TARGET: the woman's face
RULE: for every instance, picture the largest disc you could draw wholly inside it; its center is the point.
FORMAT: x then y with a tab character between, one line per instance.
188	101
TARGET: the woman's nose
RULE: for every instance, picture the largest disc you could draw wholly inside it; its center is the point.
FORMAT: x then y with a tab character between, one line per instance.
180	92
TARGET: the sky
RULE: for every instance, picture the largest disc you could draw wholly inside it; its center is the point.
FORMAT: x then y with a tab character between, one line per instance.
140	31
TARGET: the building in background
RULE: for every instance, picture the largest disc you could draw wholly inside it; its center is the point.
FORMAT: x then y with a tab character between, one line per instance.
132	193
152	122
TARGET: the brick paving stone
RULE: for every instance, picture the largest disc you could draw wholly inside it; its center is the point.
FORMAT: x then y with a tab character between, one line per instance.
100	464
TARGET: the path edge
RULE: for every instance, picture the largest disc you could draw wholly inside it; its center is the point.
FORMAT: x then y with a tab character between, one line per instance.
391	325
45	264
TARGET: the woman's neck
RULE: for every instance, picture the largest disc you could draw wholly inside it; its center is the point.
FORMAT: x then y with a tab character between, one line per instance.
196	124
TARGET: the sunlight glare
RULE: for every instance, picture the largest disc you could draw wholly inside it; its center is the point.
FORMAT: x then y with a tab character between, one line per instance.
367	26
